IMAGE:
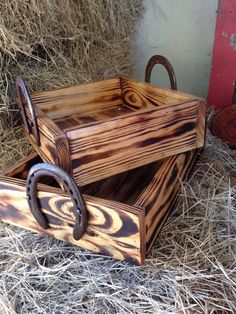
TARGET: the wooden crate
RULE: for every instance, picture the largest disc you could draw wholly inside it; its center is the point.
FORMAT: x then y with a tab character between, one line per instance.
125	212
97	130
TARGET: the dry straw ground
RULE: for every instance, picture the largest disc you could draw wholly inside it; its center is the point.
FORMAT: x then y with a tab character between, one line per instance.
192	268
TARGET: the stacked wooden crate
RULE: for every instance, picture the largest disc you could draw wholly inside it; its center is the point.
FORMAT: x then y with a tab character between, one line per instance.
124	147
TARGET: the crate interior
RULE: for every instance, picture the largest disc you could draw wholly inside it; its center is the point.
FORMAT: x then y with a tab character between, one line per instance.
89	103
125	187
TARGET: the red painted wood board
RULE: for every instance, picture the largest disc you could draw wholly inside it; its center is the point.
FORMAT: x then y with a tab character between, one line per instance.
223	72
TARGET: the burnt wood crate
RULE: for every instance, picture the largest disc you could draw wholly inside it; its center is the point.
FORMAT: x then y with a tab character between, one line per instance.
125	212
127	145
97	130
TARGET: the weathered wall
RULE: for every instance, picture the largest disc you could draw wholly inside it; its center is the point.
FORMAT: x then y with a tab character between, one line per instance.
183	31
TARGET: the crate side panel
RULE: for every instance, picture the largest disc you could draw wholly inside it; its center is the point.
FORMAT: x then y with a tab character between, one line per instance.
201	124
113	228
159	197
54	147
112	147
144	95
78	99
124	187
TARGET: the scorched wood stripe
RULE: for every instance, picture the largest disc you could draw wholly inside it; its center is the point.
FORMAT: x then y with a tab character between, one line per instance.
163	215
201	124
146	137
79	99
54	145
113	229
101	114
97	130
158	198
134	93
126	211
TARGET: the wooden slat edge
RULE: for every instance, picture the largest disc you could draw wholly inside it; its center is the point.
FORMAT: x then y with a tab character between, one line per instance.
76	87
54	143
142	236
171	91
63	152
201	124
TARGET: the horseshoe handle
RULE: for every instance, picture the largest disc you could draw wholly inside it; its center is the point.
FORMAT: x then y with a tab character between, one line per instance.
25	100
157	59
79	210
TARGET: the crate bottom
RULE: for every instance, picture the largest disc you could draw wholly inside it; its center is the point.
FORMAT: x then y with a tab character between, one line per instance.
81	119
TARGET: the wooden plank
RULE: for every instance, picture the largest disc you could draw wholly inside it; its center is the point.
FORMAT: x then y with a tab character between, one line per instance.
159	196
124	187
201	124
136	94
78	99
134	141
153	187
163	216
113	228
76	120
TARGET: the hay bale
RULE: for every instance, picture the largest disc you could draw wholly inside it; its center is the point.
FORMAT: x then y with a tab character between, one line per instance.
54	43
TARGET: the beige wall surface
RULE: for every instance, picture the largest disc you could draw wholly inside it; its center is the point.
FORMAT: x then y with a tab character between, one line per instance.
183	31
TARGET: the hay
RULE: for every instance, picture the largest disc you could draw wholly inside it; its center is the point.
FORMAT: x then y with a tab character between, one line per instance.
191	269
53	43
13	145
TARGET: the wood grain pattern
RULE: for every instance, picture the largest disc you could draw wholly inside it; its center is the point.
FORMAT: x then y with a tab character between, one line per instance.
134	94
201	124
165	209
146	137
78	99
167	183
113	228
75	121
54	147
135	204
153	187
97	130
